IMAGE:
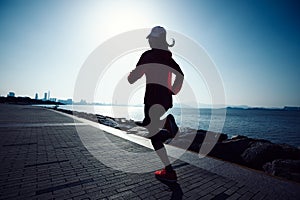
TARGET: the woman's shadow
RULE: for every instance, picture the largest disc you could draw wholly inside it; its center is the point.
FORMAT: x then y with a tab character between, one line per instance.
175	188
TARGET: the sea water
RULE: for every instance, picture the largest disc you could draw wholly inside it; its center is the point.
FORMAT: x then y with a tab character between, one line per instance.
278	126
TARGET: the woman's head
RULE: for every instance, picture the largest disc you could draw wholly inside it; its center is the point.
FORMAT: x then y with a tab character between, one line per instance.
157	38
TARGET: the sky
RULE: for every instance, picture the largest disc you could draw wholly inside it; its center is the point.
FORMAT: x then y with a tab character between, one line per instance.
254	44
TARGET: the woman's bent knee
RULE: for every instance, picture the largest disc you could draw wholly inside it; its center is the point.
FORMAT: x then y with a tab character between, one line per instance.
156	143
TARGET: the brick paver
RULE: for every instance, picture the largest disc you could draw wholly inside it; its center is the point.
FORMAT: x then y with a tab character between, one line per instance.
51	162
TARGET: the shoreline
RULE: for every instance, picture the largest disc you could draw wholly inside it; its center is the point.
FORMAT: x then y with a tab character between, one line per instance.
281	160
275	126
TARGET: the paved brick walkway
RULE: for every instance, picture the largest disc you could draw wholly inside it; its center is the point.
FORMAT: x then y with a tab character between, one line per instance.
43	157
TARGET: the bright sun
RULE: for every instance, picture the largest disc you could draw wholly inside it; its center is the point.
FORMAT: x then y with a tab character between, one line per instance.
125	18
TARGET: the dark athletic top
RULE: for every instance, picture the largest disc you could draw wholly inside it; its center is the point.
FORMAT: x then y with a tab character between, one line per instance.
158	67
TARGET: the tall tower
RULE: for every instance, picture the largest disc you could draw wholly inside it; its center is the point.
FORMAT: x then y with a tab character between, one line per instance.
45	96
36	96
48	94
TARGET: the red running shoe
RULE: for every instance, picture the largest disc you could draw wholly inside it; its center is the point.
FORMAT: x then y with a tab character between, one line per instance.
165	175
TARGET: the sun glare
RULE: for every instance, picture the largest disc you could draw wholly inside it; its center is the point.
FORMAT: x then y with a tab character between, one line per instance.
124	18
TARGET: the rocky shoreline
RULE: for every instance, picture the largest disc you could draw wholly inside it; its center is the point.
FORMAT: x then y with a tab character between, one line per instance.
275	159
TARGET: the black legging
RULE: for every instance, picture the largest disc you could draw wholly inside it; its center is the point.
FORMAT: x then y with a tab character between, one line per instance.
158	139
158	136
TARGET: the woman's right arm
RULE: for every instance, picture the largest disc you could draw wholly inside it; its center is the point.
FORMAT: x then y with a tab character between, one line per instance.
139	71
135	74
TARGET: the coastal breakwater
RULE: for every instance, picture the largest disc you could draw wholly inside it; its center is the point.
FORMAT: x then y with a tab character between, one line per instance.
275	159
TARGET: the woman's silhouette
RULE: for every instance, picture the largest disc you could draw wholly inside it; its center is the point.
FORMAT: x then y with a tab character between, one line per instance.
158	66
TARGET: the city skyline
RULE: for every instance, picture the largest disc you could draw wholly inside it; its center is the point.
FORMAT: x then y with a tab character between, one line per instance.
69	101
254	44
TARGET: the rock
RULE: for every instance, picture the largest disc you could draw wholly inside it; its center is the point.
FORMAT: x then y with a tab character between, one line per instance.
235	137
289	152
107	121
138	131
231	150
192	139
124	124
259	153
289	169
222	137
262	151
87	116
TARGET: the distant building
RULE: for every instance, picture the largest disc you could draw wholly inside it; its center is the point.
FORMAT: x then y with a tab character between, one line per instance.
82	102
68	101
36	96
52	99
45	96
11	94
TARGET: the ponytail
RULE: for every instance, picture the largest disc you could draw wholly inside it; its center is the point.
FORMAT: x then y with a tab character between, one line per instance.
173	43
